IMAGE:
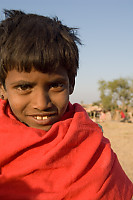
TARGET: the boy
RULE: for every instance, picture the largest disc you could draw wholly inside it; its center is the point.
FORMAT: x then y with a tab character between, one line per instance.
49	148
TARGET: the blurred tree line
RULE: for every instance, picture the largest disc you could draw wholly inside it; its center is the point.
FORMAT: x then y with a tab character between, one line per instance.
115	93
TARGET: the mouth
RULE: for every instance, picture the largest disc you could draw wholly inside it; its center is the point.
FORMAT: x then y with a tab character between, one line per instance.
46	119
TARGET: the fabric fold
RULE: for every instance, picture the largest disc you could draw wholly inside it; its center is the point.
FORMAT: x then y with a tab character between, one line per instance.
72	161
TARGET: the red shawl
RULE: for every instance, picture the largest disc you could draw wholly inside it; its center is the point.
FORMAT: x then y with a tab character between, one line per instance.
72	161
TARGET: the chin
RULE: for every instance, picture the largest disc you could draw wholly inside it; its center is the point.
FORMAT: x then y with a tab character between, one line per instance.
45	128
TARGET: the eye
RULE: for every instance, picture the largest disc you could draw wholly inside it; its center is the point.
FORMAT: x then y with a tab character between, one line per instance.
57	86
23	87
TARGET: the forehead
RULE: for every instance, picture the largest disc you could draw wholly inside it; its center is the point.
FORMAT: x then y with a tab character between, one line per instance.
35	75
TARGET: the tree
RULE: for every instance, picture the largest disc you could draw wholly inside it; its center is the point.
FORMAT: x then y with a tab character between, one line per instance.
120	92
105	96
116	92
131	91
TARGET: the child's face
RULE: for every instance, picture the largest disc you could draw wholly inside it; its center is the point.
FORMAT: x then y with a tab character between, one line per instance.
37	99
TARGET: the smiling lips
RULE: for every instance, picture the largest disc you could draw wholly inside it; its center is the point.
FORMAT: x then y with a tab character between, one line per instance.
44	119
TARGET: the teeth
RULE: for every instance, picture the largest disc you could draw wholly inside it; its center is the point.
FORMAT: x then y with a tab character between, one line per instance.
41	118
45	117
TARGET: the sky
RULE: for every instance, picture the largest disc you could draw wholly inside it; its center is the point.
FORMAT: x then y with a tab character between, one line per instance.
105	28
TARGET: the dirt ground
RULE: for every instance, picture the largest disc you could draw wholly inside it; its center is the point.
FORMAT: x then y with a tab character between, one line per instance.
120	135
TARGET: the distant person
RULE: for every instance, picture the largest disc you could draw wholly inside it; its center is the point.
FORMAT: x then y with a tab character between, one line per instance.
103	116
108	116
123	116
49	148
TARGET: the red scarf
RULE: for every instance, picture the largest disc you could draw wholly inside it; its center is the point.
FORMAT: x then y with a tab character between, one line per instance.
72	161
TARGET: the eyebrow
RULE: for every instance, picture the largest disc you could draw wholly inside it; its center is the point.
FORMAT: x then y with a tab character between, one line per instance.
22	82
62	79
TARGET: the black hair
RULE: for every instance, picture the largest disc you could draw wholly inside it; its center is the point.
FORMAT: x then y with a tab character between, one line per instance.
32	41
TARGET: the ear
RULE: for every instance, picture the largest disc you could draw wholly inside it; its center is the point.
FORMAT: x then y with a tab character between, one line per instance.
3	92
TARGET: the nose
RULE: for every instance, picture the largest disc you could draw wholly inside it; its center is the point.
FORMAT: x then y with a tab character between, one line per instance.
41	100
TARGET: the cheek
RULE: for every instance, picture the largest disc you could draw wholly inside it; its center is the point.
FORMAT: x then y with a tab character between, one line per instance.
17	104
61	101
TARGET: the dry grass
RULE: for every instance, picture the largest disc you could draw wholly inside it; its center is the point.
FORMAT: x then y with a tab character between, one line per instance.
121	138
